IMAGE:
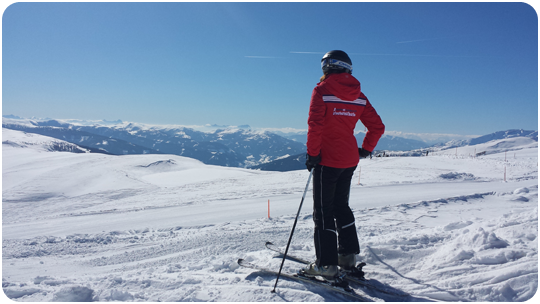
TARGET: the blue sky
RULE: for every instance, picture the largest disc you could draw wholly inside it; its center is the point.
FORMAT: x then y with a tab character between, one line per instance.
458	68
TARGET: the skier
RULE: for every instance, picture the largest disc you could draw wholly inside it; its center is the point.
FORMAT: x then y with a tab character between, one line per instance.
337	104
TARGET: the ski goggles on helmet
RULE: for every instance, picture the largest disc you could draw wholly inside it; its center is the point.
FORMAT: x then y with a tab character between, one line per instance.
330	63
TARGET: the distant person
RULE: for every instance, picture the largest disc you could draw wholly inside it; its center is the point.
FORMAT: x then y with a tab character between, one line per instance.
337	104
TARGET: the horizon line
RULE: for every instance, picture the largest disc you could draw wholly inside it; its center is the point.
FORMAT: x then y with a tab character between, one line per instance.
242	126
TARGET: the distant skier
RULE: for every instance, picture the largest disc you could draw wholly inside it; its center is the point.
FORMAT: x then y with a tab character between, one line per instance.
337	104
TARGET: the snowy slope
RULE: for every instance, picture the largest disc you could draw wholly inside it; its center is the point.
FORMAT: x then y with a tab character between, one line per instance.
41	143
169	228
492	147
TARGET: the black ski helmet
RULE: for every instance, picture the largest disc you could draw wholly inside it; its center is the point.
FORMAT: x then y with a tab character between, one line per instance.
336	61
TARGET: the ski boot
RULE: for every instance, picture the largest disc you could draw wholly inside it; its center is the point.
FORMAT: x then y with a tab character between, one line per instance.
329	274
347	261
357	271
312	270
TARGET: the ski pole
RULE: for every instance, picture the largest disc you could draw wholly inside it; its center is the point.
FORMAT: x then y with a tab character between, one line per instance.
292	231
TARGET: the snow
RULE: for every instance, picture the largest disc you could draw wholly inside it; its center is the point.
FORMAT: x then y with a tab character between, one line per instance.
431	138
94	227
523	144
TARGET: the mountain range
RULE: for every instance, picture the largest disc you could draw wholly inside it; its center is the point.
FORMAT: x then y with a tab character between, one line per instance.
216	145
231	147
297	162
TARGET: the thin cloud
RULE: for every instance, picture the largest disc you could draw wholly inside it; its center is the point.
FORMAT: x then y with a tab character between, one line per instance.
262	57
386	54
424	55
318	53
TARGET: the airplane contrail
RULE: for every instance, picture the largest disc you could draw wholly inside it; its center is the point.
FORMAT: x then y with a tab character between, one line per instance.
307	52
262	57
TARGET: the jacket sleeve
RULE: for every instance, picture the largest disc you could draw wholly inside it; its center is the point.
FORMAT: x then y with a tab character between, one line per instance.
374	125
317	110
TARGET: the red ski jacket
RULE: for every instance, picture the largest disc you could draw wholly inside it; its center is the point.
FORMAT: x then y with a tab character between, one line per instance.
336	106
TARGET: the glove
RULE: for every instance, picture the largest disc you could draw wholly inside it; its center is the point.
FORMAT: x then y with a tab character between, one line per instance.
363	152
312	161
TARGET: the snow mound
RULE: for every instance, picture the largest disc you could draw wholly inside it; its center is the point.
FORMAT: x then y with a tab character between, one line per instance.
521	190
457	176
118	295
160	164
19	293
74	294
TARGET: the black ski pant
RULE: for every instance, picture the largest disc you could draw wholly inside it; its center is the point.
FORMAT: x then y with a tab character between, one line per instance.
335	229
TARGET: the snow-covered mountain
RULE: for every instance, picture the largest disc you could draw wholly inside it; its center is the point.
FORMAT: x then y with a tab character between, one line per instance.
430	138
533	135
498	142
199	141
234	147
90	141
394	143
167	228
387	142
504	135
41	143
287	163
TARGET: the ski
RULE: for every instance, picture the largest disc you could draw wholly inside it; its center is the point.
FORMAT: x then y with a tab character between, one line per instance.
344	289
357	276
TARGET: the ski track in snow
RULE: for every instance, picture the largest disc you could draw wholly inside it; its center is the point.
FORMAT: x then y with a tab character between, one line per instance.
80	227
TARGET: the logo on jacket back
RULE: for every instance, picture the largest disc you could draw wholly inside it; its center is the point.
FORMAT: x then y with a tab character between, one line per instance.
344	112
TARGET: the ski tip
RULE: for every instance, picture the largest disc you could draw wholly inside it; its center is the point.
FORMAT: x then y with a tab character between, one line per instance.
240	261
268	243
